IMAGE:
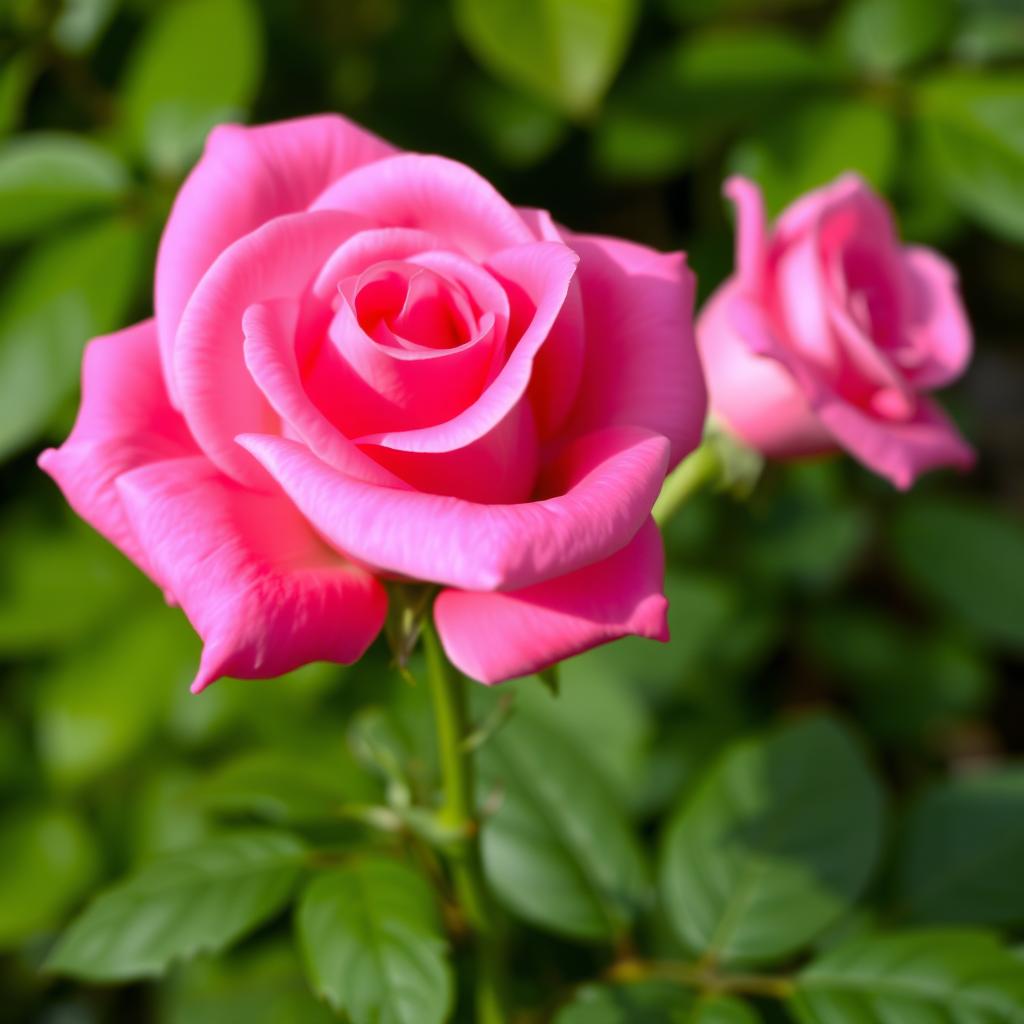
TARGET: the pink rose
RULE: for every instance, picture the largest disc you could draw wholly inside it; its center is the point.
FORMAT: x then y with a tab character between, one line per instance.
367	365
830	333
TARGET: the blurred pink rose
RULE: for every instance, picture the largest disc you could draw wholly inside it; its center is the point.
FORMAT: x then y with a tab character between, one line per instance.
830	333
366	364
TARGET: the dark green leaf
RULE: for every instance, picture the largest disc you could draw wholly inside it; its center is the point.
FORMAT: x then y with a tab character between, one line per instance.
774	845
967	558
46	178
973	128
562	51
48	858
198	900
962	851
644	1002
810	145
559	852
63	293
962	977
198	65
80	23
373	946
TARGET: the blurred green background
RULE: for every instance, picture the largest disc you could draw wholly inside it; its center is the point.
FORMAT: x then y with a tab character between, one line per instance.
827	588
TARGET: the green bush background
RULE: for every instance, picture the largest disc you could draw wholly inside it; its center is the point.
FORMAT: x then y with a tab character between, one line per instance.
904	615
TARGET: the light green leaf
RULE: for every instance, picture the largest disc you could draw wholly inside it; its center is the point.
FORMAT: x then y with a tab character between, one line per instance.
198	65
774	845
812	144
973	128
559	851
969	560
48	858
963	977
62	294
46	178
372	942
565	52
962	851
197	900
101	705
884	36
81	22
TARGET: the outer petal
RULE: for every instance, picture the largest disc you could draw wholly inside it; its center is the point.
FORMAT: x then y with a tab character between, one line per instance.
432	194
246	177
937	321
125	421
218	396
751	231
898	450
259	587
752	392
605	483
494	637
641	366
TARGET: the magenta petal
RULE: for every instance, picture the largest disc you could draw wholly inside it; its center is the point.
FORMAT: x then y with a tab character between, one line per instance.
218	396
264	593
938	326
434	194
270	357
605	483
751	231
898	450
498	636
641	365
246	177
125	420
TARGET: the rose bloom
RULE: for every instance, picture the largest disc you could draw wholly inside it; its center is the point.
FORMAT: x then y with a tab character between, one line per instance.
366	365
830	333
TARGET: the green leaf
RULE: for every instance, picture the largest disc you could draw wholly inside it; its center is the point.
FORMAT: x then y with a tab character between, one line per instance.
642	1002
372	942
559	852
62	294
990	31
16	75
774	845
81	22
101	705
265	986
565	52
812	144
681	102
287	786
973	128
198	65
969	560
962	977
652	1002
48	858
198	900
46	178
885	36
962	851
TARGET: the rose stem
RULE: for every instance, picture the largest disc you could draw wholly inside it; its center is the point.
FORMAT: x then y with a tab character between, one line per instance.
457	814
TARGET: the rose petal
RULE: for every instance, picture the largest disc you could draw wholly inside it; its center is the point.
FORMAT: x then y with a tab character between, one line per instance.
264	593
641	365
605	483
497	636
432	194
269	329
125	420
751	231
218	396
246	177
900	451
938	326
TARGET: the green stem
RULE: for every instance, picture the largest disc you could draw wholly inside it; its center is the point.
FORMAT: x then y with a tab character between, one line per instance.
703	978
457	814
696	471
